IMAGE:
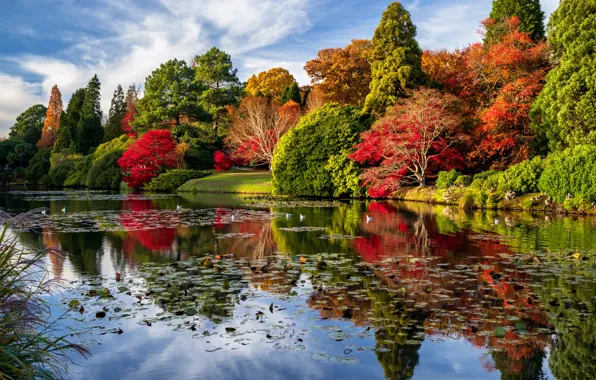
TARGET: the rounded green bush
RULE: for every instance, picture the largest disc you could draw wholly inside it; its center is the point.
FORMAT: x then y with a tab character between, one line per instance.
105	172
447	179
572	171
59	173
39	166
301	164
173	179
78	176
522	178
463	181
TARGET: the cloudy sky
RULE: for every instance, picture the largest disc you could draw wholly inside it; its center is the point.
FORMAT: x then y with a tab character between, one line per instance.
64	42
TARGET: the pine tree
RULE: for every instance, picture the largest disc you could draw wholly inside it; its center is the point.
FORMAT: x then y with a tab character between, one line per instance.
89	132
529	13
132	96
565	111
51	124
69	121
396	66
292	92
117	111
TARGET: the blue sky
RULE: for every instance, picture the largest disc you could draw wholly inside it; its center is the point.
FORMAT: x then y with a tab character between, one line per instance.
64	42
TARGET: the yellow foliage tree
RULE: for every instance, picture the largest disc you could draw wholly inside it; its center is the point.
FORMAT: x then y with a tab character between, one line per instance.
269	84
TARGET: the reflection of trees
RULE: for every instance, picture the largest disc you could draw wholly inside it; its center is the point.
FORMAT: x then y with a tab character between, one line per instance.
85	250
50	240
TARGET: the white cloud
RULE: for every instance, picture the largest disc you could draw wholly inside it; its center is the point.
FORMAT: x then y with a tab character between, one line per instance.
15	97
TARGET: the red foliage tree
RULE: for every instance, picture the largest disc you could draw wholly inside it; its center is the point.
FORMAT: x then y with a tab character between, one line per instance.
416	138
51	124
147	157
223	162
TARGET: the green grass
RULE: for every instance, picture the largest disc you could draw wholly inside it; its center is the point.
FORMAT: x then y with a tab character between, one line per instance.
236	183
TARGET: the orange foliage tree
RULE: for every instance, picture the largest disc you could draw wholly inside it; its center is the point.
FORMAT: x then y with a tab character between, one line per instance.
269	84
51	124
344	75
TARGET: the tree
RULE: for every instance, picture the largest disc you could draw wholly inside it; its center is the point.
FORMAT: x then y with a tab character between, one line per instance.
29	124
118	109
528	11
417	137
344	75
215	70
444	68
291	93
89	132
51	124
396	60
69	122
171	97
132	97
147	157
258	125
269	84
565	111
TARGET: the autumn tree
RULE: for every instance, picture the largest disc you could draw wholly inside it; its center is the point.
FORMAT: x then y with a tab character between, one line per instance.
417	137
316	99
565	111
343	74
29	124
269	84
258	125
396	60
89	132
69	122
171	96
147	157
113	127
51	124
132	96
215	70
292	92
529	13
444	68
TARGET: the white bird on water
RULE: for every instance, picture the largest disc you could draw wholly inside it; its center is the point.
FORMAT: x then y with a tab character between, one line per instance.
302	217
178	207
369	219
288	216
233	217
43	212
63	209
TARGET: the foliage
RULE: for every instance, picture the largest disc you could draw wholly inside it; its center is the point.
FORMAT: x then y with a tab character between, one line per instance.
200	142
78	177
486	181
344	75
269	84
132	96
39	165
345	175
301	156
258	125
463	181
396	60
147	157
7	148
222	161
291	93
565	111
418	137
215	70
447	179
89	132
105	172
51	124
522	178
29	124
60	171
118	108
573	172
443	67
173	179
69	122
528	11
171	97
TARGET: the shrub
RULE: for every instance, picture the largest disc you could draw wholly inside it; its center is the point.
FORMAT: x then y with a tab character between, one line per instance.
60	171
222	161
486	181
344	175
119	143
105	172
39	165
78	176
447	179
173	179
522	178
572	171
302	154
463	181
467	201
199	158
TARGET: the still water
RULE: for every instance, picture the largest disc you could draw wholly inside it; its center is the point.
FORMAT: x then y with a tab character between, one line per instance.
225	287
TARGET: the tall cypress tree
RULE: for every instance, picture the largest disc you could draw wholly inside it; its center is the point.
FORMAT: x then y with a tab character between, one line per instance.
69	122
117	111
396	66
291	92
565	111
89	132
529	13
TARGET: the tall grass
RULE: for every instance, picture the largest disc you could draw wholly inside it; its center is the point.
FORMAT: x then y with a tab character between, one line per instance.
30	347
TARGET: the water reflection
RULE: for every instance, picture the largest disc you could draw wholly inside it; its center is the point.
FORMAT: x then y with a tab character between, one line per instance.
519	288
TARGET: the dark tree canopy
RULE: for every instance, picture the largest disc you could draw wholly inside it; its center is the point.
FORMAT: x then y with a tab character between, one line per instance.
529	13
89	132
29	124
117	111
292	92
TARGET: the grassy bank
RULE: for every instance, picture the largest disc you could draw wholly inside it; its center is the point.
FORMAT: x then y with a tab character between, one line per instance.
236	183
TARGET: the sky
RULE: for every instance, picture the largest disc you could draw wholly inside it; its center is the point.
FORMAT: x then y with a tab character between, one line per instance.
65	42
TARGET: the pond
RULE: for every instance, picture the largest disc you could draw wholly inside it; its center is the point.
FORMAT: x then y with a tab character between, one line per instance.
224	287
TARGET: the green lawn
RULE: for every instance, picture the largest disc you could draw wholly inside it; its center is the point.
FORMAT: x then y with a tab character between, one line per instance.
238	183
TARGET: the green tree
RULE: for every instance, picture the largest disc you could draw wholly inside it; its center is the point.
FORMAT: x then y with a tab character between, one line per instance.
529	13
171	96
69	122
39	166
565	111
396	65
117	111
292	92
29	124
89	132
215	70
